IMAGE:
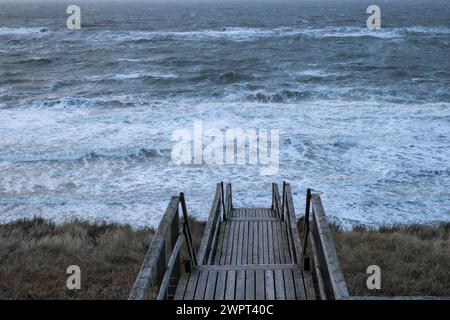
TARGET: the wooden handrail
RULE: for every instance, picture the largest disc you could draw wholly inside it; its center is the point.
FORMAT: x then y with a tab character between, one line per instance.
187	231
154	261
229	201
306	222
212	227
276	200
155	265
327	262
289	215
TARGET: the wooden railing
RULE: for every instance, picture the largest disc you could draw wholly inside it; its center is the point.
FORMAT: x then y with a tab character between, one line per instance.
327	271
285	210
167	238
229	202
210	236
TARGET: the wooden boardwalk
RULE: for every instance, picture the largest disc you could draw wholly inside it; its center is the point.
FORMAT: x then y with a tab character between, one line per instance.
245	254
253	260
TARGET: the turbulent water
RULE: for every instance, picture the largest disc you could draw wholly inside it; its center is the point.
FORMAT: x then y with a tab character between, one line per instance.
86	116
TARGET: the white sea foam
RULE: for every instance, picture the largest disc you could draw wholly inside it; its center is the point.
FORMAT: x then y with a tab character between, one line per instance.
248	34
5	31
369	160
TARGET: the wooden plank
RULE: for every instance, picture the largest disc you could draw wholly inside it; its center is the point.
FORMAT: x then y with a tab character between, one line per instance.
224	251
287	251
269	236
220	285
249	267
276	248
254	219
260	292
279	256
250	243
230	243
211	286
191	285
309	285
255	243
299	285
181	287
245	245
266	243
240	243
231	285
237	245
201	286
250	284
283	258
279	285
219	243
269	285
240	285
289	284
260	244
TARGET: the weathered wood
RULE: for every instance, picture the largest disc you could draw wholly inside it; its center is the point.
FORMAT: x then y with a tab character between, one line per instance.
229	202
201	286
269	284
279	285
270	242
210	228
224	251
231	285
250	284
220	285
294	234
260	289
245	245
299	285
240	285
211	285
309	285
146	273
333	278
174	257
220	243
191	285
250	267
289	284
252	254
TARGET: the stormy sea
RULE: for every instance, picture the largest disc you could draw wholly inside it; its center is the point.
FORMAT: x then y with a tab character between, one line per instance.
87	116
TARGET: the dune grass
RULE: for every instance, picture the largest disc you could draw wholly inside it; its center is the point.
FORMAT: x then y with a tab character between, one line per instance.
414	259
34	255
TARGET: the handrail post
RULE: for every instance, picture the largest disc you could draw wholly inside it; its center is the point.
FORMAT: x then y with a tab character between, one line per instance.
283	202
223	200
273	195
306	222
187	230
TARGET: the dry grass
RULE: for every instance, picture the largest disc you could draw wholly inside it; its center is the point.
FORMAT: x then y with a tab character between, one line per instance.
414	259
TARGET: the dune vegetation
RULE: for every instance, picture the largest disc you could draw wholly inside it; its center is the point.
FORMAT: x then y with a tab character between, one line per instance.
34	255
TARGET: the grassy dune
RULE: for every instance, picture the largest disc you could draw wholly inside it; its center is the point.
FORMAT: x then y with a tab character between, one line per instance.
34	255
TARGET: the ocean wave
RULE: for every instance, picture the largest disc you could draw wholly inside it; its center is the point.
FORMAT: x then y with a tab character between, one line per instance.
5	31
35	61
279	97
133	76
138	153
247	34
